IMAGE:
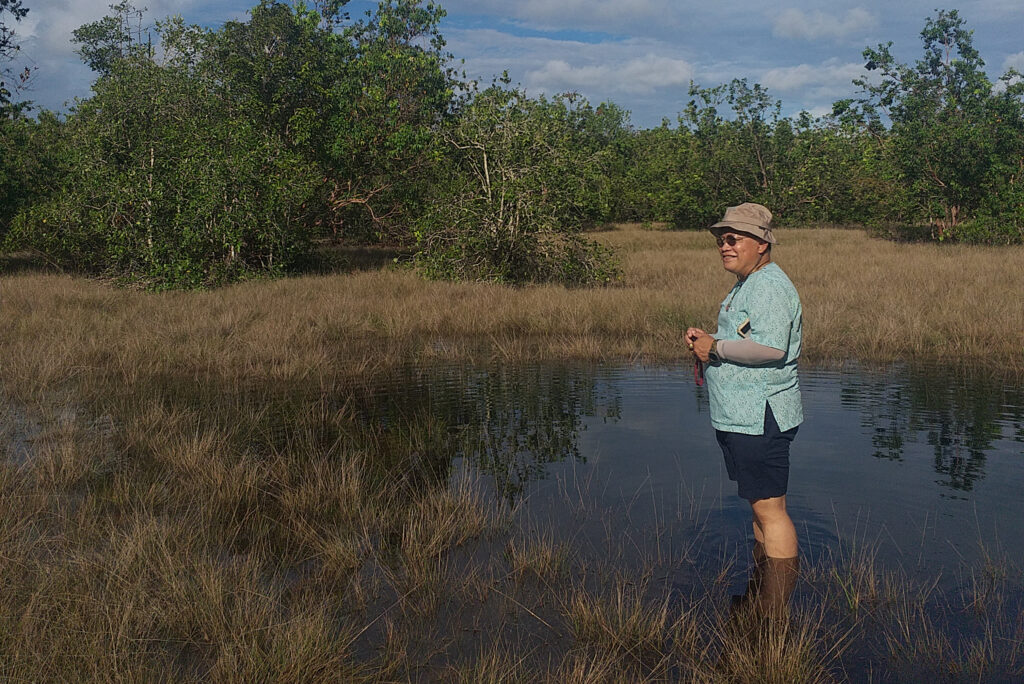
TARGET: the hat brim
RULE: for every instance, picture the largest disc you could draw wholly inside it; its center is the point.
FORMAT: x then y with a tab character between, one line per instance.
751	229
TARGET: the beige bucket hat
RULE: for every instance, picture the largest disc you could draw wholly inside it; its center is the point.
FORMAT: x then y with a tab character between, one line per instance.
752	219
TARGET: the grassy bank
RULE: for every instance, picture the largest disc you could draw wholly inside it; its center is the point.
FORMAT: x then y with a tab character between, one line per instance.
193	487
863	298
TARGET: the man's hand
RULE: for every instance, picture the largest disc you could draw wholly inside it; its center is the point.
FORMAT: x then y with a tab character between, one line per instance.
692	334
701	347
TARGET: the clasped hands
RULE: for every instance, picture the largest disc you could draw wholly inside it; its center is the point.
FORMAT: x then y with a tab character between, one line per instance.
699	343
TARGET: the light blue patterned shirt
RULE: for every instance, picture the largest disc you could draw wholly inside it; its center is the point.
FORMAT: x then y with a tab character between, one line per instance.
738	392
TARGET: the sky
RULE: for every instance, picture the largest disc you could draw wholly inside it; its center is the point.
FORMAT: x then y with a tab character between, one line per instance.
640	54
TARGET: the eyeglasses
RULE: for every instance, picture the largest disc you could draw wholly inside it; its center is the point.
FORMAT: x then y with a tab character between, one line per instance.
730	240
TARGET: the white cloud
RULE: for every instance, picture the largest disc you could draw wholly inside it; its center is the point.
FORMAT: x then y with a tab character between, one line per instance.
820	111
989	10
647	76
818	25
547	65
550	46
45	37
1014	61
52	22
636	76
832	75
827	81
611	16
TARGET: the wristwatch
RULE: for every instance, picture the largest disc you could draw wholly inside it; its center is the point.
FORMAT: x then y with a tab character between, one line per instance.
713	356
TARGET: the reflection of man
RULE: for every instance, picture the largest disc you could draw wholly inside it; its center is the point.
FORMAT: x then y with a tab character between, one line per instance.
755	396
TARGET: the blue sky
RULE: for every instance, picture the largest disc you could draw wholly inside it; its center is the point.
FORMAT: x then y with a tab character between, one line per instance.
640	54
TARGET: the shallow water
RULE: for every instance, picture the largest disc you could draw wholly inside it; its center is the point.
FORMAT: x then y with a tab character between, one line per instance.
924	464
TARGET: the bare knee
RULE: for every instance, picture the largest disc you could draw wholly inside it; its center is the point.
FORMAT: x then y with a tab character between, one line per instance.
778	532
769	511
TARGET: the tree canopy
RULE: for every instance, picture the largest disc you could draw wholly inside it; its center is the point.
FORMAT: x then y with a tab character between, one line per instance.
16	11
206	156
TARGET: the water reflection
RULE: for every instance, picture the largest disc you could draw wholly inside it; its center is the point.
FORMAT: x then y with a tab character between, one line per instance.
927	460
511	422
959	415
515	421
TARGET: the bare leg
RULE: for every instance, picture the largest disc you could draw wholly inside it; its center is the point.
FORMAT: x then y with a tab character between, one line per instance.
777	531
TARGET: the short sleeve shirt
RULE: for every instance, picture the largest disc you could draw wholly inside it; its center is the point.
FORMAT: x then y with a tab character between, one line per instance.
766	308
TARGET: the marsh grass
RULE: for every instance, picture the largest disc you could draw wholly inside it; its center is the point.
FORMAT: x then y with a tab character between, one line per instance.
863	298
196	486
207	550
622	623
540	558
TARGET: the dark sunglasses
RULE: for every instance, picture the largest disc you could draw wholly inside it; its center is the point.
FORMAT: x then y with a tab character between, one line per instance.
730	240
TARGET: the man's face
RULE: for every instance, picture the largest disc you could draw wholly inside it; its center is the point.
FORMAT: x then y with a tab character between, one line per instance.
743	254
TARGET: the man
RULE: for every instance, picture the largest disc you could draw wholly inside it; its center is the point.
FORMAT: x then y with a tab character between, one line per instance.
755	395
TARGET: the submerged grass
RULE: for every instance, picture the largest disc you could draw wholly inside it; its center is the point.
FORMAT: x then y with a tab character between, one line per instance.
194	486
180	545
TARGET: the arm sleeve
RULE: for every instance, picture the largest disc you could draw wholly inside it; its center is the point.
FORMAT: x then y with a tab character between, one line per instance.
748	352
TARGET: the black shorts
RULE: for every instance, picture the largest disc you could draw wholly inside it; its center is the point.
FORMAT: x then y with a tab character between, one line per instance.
758	463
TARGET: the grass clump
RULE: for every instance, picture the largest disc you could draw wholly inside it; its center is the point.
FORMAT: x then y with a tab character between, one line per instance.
622	623
542	558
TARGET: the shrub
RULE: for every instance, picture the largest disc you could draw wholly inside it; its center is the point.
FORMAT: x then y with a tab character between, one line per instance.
167	181
513	196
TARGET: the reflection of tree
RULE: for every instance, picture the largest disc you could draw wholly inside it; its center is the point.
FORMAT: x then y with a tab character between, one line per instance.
959	414
884	412
509	422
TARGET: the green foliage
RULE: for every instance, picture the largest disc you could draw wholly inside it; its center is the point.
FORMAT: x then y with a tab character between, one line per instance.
237	148
602	136
362	100
396	93
651	180
803	169
951	133
515	193
8	47
283	62
28	162
168	181
103	43
230	156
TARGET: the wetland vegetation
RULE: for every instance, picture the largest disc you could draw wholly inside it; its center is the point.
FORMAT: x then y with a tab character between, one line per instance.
200	485
213	472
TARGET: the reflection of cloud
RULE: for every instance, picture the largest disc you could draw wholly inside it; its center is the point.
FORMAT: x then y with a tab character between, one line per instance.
795	23
643	75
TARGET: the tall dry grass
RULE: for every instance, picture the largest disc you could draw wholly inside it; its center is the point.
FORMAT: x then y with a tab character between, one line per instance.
863	298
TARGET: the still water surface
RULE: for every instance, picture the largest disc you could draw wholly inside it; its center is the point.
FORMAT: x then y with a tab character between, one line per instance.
924	464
